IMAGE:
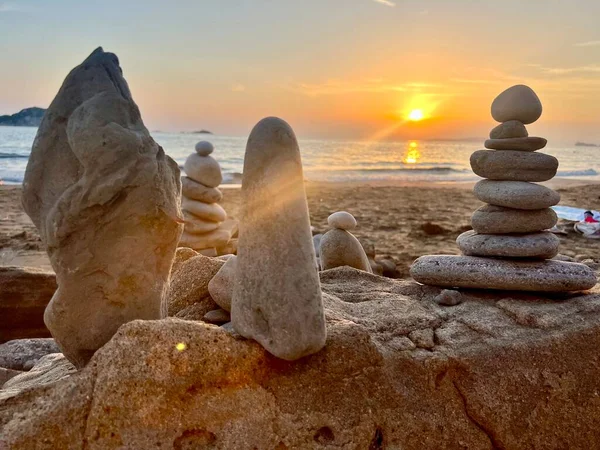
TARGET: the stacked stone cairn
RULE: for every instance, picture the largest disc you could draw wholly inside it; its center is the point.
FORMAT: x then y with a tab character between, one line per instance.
508	248
207	228
338	247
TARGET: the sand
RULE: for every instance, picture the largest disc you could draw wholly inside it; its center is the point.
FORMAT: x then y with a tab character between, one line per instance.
402	220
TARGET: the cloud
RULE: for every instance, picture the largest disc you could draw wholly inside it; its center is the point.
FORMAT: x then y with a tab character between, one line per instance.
385	2
587	44
13	7
238	87
570	70
376	85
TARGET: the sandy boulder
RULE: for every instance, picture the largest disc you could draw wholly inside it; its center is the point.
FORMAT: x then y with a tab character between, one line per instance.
105	199
464	376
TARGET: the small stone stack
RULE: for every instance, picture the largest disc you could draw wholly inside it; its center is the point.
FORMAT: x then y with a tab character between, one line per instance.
339	247
207	228
508	247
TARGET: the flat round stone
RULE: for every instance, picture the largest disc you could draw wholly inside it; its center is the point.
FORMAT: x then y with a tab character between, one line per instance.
203	169
537	245
212	212
197	191
513	165
517	103
490	219
510	129
525	144
342	220
195	225
511	275
204	148
516	194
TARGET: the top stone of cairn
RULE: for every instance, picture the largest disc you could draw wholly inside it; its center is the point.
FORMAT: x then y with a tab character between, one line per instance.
517	103
204	148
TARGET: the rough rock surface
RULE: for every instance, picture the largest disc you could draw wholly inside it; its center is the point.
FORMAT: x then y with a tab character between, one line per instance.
47	370
105	199
189	284
528	144
491	219
340	248
22	354
516	194
514	165
276	295
504	274
518	102
24	295
506	371
537	245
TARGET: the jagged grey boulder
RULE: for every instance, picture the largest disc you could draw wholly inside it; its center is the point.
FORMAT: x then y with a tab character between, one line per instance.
277	294
105	199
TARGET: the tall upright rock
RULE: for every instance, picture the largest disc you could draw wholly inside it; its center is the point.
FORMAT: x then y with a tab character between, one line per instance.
105	199
277	295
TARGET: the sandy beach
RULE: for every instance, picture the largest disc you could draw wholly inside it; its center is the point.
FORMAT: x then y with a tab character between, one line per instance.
402	220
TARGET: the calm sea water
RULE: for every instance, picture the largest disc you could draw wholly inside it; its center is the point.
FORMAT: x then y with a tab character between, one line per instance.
326	160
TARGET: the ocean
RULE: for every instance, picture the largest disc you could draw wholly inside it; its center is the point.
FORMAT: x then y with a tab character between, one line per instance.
326	160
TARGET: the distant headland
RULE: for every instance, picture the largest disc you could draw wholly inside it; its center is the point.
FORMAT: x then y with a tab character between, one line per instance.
201	132
585	144
28	117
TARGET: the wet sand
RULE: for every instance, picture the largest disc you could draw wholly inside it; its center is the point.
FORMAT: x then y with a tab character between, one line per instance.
402	220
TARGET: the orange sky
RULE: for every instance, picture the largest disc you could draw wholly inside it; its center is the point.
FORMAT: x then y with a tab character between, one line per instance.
332	68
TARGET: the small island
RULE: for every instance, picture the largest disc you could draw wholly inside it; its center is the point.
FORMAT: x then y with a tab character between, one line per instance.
28	117
202	132
585	144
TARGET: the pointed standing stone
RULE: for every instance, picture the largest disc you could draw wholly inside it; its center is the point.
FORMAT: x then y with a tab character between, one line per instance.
105	199
277	294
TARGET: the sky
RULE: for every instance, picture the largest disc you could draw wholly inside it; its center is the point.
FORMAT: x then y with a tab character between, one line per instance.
348	69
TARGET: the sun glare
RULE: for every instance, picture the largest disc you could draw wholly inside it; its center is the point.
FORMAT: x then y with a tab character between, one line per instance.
412	154
415	115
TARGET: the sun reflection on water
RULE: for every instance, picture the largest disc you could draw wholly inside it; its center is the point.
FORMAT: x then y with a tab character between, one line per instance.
412	154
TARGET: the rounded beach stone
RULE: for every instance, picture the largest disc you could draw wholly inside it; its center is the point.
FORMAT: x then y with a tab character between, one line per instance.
197	191
212	212
204	148
537	245
510	129
490	219
340	248
512	165
517	103
203	169
210	240
342	220
277	297
516	194
488	273
217	316
525	144
449	297
195	225
220	286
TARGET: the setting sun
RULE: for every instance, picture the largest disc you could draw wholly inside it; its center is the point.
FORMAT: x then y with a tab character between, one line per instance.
415	115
